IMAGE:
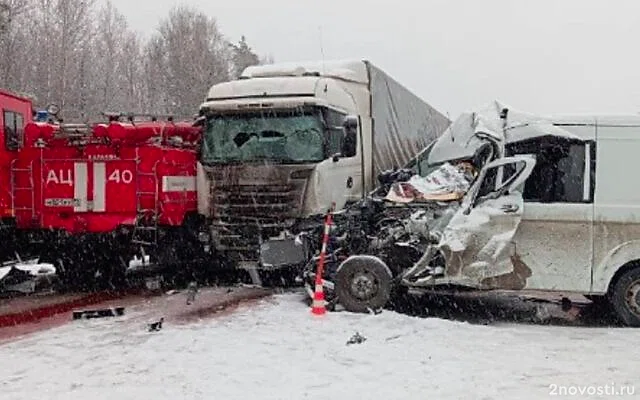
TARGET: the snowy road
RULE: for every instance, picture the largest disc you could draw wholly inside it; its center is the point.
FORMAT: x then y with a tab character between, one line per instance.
278	350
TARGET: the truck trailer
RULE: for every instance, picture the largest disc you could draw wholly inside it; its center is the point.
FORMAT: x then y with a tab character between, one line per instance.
286	141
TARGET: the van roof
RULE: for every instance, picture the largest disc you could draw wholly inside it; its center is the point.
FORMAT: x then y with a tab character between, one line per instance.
597	119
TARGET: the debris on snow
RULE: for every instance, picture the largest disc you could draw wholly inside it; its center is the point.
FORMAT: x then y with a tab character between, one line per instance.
156	326
356	339
31	267
192	290
394	337
21	276
99	313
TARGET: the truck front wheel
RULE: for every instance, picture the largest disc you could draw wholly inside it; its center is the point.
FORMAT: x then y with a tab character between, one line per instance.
363	283
625	297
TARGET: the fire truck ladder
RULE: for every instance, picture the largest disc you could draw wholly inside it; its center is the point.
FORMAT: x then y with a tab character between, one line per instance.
30	207
144	234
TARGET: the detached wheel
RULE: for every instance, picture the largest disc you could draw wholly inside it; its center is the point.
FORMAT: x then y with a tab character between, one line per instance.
625	297
363	283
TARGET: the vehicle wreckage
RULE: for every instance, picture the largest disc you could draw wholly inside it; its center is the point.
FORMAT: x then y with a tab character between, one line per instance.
453	218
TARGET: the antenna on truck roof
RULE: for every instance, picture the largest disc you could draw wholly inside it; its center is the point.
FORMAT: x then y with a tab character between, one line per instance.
321	49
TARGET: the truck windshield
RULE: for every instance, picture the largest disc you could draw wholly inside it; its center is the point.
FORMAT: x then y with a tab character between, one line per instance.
287	137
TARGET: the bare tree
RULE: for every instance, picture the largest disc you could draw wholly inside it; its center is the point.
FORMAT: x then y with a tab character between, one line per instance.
88	60
61	32
187	55
12	38
267	59
243	57
155	89
116	59
131	72
4	16
9	10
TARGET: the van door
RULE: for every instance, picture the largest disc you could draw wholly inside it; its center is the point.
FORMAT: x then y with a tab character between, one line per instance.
555	237
477	244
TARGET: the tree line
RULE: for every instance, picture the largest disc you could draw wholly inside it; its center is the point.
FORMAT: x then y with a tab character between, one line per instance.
83	56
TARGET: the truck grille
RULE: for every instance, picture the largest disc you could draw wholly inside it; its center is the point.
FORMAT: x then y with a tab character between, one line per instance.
244	214
254	202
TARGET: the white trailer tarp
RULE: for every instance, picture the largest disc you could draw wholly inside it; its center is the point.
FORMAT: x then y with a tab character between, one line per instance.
403	124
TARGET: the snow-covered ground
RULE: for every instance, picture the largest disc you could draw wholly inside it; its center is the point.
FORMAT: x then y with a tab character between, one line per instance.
278	350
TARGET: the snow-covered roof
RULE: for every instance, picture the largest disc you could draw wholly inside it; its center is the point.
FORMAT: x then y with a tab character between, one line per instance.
350	70
304	86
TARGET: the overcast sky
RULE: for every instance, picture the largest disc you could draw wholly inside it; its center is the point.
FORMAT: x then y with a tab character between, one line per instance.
543	56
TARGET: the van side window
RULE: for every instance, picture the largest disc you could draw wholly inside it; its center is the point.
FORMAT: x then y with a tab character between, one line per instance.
558	176
335	133
13	129
488	185
490	182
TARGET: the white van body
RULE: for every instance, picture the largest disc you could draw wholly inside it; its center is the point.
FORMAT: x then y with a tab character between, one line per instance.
550	210
580	238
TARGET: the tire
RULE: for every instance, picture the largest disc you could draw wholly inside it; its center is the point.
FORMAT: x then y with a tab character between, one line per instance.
625	297
363	284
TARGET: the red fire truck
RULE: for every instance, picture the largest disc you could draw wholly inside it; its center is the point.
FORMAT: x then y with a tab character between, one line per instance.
87	197
15	113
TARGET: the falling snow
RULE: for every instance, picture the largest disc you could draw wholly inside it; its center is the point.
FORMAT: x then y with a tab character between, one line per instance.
278	350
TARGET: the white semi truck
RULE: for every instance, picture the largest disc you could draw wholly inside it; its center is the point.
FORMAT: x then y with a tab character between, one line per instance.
285	141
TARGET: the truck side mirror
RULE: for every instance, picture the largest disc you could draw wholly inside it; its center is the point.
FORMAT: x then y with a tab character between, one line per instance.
349	144
199	121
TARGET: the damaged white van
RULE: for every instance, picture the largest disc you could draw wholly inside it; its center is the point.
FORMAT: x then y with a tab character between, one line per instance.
550	207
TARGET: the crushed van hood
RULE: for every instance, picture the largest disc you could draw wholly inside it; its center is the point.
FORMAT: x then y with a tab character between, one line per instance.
472	129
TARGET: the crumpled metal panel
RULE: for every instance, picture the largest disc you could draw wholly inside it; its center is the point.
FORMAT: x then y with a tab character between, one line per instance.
465	135
478	246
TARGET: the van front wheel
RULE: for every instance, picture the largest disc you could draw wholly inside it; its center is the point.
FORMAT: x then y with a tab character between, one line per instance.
363	283
625	297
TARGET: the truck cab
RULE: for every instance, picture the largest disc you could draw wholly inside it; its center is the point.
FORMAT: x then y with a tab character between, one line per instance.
15	112
285	142
274	150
